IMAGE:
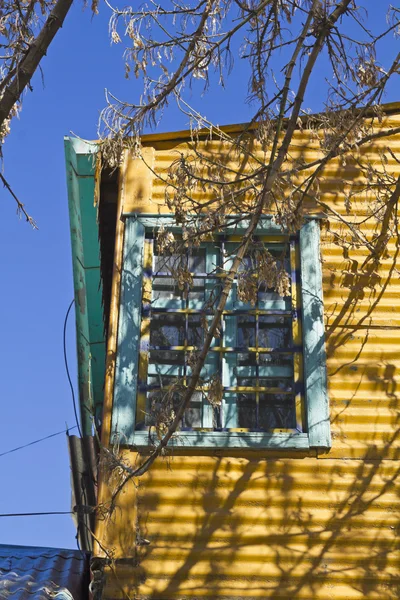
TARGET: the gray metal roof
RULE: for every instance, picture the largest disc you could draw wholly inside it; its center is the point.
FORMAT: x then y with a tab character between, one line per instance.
43	573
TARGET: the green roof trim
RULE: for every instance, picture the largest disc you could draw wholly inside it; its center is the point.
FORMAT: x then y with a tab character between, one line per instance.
80	159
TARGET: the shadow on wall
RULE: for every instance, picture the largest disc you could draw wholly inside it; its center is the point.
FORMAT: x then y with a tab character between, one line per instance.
287	526
226	527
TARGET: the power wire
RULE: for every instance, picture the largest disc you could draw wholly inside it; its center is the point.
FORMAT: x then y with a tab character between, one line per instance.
47	437
36	514
66	366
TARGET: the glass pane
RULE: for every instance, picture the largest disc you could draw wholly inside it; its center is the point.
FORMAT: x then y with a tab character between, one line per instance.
163	400
246	331
279	360
247	264
167	357
268	297
193	414
246	337
195	331
277	410
165	287
197	264
274	332
167	330
197	260
247	411
274	410
246	405
285	386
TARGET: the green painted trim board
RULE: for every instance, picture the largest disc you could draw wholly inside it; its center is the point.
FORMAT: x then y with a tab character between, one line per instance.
91	344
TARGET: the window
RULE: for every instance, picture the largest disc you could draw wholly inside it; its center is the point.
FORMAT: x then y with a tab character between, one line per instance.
263	383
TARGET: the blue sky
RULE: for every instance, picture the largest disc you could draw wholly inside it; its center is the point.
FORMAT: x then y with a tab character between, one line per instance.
36	266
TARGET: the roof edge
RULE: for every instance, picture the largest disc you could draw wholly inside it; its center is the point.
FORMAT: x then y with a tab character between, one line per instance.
91	146
48	549
80	157
388	108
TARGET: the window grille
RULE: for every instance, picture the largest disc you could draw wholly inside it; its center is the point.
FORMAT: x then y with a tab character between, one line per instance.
257	357
269	359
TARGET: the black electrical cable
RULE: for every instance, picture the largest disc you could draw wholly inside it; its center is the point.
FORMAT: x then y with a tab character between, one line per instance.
66	366
47	437
37	514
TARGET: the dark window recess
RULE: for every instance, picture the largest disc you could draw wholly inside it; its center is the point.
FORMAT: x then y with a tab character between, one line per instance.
253	361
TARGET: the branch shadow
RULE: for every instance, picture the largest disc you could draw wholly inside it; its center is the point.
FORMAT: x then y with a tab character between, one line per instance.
255	524
262	527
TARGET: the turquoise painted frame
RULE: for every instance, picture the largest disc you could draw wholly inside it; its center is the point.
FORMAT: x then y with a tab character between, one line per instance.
91	344
314	355
126	374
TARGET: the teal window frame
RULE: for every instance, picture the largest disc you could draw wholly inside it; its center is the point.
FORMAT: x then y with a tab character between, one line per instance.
317	430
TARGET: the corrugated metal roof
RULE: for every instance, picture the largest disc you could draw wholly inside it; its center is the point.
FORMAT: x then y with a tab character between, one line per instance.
43	573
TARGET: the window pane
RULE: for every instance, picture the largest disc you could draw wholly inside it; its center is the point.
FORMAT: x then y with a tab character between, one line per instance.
195	331
265	332
197	260
246	332
274	332
277	410
163	400
275	360
165	287
167	330
247	411
193	414
197	264
256	369
246	405
273	410
167	357
268	297
246	337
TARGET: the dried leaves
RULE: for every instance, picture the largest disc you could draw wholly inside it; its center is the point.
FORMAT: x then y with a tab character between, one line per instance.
173	47
215	391
281	164
165	241
164	405
183	278
266	272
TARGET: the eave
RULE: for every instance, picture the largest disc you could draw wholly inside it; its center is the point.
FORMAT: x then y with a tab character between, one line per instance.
90	337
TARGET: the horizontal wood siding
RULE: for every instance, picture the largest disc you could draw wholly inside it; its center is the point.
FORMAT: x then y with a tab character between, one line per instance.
280	524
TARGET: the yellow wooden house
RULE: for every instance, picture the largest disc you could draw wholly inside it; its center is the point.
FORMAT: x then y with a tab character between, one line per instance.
289	488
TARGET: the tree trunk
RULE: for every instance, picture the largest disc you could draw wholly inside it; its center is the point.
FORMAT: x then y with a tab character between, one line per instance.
34	55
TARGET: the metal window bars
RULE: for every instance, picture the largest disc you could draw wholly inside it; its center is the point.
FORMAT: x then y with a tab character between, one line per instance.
257	357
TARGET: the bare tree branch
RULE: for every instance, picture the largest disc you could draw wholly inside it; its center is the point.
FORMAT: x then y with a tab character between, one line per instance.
262	202
27	66
20	205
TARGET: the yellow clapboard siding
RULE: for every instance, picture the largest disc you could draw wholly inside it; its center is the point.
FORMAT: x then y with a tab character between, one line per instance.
277	588
233	527
282	525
